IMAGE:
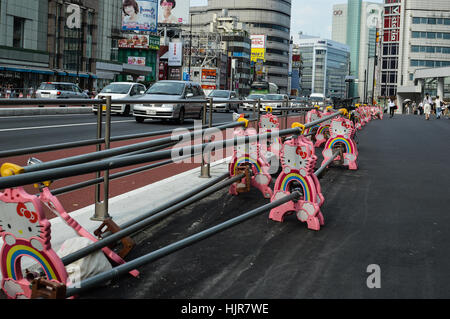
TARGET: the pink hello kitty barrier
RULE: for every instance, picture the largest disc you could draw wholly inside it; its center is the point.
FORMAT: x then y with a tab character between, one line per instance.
269	123
342	131
26	232
298	162
250	154
323	132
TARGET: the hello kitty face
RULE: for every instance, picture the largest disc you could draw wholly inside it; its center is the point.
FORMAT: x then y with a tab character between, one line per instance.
313	116
19	220
268	123
340	128
295	158
247	149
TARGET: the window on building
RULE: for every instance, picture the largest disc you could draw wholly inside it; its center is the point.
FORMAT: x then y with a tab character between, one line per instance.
18	32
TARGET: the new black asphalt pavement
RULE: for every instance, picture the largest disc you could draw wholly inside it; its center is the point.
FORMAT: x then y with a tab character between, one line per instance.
393	212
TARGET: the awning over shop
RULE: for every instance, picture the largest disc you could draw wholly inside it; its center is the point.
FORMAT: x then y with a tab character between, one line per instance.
26	69
135	69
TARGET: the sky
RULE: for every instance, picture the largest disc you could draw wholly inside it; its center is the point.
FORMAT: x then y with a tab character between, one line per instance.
312	17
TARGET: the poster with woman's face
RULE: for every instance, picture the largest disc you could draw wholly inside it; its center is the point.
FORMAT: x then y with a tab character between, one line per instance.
173	11
139	15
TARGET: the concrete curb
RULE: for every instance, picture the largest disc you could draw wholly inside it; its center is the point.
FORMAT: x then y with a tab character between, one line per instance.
44	110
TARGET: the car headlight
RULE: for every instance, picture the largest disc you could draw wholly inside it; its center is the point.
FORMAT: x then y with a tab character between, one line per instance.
168	105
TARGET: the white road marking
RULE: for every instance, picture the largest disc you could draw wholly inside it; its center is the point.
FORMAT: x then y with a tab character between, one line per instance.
57	126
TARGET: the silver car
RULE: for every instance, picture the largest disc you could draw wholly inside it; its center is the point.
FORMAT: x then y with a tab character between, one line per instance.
60	90
221	98
120	90
170	90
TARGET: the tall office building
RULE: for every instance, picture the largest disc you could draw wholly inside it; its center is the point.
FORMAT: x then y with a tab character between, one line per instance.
355	24
263	17
416	36
325	64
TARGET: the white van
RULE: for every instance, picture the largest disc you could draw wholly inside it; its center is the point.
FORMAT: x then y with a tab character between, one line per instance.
120	90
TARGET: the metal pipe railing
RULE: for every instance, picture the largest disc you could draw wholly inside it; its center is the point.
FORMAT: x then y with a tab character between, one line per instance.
113	238
155	255
174	201
324	166
60	146
85	168
118	150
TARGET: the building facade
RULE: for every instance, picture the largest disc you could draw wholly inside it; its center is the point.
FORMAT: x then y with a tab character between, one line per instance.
356	24
72	41
325	65
268	17
24	57
419	32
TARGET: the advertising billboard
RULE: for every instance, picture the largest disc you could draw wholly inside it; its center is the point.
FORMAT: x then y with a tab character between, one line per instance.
136	60
173	11
139	15
175	54
209	75
258	47
135	41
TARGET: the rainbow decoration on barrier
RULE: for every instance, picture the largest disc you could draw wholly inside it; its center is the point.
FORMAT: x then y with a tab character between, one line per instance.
288	179
11	260
248	159
333	141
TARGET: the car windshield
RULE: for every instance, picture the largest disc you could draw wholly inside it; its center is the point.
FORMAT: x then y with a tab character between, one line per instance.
224	94
275	97
166	88
255	96
50	86
116	88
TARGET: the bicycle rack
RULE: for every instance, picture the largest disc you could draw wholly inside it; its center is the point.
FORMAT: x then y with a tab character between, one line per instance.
250	154
298	163
342	132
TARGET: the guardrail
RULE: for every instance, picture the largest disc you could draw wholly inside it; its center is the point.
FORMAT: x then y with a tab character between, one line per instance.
154	152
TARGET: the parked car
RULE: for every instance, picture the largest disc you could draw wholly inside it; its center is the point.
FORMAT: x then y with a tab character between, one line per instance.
120	90
222	96
279	101
60	90
252	97
171	90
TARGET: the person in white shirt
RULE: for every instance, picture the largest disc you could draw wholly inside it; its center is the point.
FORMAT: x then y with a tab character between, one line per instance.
392	106
438	104
427	106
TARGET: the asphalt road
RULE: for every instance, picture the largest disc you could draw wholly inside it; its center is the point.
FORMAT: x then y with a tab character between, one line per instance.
27	131
392	213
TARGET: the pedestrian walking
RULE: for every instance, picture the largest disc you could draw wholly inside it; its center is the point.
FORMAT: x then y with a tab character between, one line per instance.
392	106
414	108
427	106
438	104
420	108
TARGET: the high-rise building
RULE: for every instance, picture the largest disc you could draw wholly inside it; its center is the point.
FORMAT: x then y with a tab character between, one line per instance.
263	17
355	24
416	36
325	64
